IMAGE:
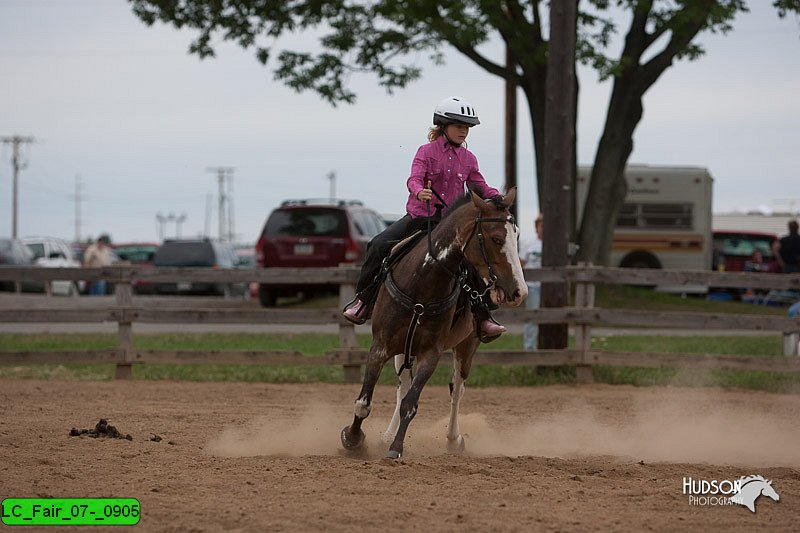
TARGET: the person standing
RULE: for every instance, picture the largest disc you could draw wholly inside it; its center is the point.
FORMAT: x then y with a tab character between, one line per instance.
531	257
96	256
787	250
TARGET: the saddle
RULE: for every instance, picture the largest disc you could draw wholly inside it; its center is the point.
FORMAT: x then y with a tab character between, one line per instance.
403	247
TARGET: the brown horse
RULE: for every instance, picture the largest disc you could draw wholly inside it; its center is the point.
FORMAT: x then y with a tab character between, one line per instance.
416	315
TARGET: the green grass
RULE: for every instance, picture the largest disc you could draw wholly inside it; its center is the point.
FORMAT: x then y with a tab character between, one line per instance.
761	346
319	344
631	297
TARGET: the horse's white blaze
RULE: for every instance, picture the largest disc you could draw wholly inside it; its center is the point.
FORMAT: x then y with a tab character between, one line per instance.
362	408
512	256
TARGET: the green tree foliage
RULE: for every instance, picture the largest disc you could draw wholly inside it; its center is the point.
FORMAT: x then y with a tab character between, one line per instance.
383	36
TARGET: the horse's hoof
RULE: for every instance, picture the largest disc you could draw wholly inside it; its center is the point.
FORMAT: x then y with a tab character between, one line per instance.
349	444
391	454
456	445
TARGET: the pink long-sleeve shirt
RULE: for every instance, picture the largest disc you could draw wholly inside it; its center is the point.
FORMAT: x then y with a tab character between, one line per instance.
449	168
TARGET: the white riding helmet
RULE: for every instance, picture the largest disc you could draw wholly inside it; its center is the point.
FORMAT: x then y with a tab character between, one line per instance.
455	110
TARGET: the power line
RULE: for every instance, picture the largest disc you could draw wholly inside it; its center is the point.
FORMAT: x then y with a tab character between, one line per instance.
15	141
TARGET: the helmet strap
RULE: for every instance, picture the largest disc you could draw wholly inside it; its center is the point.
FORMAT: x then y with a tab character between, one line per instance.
444	132
450	141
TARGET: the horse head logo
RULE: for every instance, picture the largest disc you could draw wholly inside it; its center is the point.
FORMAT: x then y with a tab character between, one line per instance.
750	488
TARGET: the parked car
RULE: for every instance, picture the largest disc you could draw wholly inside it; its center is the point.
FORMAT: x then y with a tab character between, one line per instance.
732	249
55	253
196	253
309	234
13	252
141	254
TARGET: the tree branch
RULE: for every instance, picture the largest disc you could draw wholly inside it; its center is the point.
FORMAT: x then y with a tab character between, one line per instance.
651	70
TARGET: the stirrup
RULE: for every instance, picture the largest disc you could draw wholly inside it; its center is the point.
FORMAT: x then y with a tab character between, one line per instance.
489	338
486	339
360	317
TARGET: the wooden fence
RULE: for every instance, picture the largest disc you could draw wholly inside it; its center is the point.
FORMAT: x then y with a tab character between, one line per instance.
582	316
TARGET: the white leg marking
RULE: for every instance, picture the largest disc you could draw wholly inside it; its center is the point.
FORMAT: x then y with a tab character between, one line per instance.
453	430
362	408
402	390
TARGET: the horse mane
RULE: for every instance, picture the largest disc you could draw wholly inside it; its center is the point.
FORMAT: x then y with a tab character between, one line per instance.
462	200
498	201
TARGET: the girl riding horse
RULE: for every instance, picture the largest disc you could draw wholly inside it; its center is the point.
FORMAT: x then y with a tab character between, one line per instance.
421	311
439	173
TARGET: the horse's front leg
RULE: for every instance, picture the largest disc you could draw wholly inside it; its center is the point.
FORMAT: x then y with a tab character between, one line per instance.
403	385
352	435
408	407
462	362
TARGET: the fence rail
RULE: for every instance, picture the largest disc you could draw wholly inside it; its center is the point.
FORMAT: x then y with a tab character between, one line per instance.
582	316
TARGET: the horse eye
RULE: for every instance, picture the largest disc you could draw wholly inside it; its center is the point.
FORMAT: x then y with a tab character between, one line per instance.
497	241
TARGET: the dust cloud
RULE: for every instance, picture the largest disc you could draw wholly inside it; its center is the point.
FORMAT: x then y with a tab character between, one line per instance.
655	428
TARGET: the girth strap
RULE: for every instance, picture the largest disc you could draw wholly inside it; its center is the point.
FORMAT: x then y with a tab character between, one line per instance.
435	307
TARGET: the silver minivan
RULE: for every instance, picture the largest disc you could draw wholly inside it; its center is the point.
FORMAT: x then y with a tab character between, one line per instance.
55	253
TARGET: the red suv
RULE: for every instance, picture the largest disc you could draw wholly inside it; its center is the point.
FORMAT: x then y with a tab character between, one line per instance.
313	234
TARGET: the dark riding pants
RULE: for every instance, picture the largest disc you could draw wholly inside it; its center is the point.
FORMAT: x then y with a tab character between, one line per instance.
380	245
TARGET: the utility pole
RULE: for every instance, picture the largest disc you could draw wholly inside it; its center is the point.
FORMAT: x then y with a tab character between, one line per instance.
231	218
207	222
511	128
178	221
332	177
17	165
559	151
160	220
78	198
225	223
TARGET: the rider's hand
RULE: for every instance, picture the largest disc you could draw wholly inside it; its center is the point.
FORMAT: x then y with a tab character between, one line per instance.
424	195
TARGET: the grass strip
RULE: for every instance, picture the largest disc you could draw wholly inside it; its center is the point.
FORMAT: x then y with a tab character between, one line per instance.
319	344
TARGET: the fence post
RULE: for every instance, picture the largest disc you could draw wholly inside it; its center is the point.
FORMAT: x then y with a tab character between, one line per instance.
584	299
791	343
347	335
122	290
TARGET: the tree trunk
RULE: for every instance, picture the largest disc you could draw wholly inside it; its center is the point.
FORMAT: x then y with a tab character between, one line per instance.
607	188
535	94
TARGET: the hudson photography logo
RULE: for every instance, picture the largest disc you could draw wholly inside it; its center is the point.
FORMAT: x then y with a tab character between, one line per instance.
743	491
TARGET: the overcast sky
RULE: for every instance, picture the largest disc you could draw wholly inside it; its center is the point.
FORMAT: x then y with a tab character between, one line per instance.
139	120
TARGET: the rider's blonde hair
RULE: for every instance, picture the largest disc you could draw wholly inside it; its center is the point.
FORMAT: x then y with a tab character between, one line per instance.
435	132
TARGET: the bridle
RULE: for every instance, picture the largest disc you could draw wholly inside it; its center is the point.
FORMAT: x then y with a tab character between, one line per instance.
436	307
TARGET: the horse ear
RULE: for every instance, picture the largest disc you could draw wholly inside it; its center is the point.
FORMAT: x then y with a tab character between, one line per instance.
510	196
480	203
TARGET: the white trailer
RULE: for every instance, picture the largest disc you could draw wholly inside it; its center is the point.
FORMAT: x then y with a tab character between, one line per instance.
665	221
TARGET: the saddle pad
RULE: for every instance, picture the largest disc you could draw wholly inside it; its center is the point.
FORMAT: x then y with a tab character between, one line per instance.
403	247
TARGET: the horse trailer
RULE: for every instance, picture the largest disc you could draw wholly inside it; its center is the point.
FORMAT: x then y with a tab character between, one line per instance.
665	221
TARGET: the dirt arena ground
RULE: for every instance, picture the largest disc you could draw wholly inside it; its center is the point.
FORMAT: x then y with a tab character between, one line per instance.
260	457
